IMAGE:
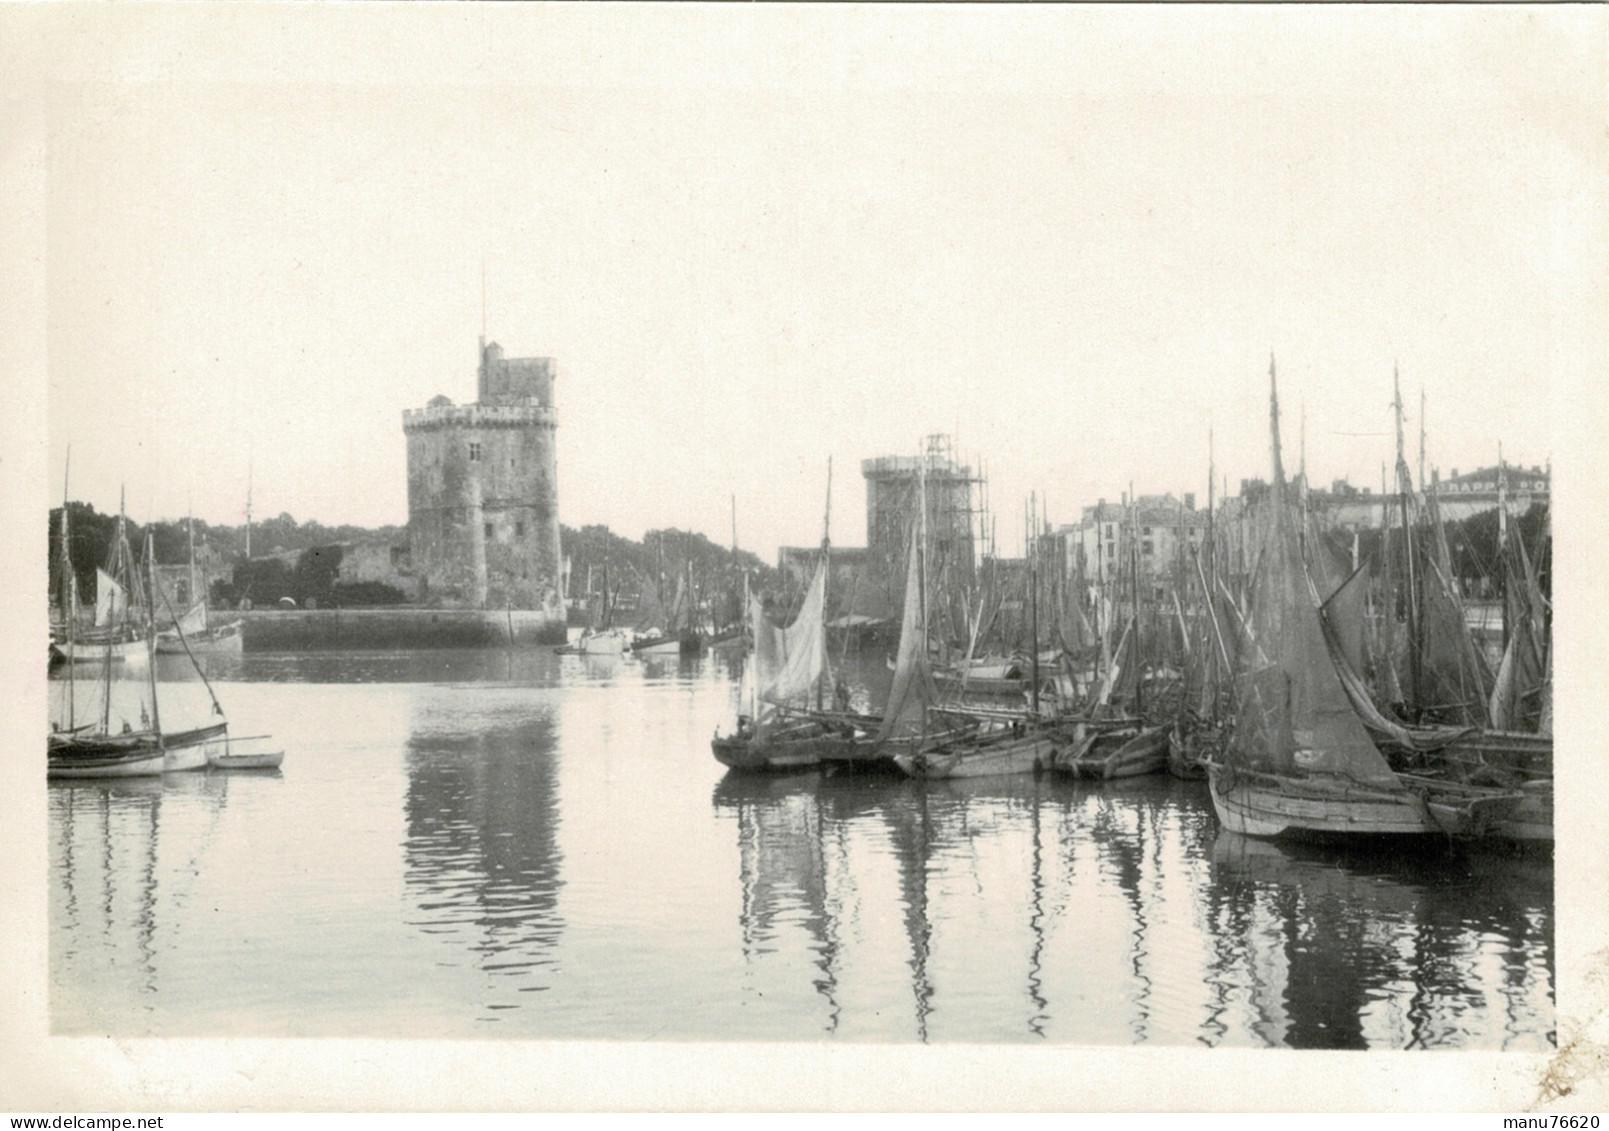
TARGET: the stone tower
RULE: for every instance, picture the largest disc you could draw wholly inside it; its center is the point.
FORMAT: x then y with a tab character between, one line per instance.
483	503
893	485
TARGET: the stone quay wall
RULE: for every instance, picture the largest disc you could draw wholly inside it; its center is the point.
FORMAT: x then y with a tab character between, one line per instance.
313	630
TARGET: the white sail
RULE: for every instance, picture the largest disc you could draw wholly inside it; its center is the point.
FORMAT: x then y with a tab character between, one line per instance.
194	621
111	601
803	645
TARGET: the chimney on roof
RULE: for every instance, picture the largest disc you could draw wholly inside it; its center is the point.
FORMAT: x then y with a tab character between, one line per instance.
1189	500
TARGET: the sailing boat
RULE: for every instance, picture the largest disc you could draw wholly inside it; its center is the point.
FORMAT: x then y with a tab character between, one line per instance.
87	750
602	639
116	635
199	636
680	636
924	741
1300	759
94	749
1111	743
780	722
1496	781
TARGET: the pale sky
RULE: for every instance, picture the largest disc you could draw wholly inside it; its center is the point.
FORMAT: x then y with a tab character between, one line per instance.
754	239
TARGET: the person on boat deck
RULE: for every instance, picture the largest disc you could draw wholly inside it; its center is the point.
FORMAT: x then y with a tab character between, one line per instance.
840	695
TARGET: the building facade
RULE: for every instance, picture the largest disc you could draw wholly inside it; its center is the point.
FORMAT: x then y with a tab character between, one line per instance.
1161	530
483	515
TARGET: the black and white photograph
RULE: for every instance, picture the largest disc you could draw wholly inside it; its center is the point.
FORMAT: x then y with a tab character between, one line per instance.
811	557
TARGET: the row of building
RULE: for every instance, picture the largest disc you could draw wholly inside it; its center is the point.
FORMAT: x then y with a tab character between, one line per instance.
1161	528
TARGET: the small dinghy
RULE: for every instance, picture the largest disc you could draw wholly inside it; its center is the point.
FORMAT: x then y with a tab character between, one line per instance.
233	757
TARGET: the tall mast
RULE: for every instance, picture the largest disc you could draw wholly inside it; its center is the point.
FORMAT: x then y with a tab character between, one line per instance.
826	564
1421	437
1404	487
1502	540
921	548
248	510
190	537
70	592
1212	547
150	626
1033	601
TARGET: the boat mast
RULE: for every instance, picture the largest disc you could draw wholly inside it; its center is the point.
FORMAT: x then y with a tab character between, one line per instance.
1415	643
120	555
1502	540
150	625
248	511
1134	593
826	565
921	559
190	537
1212	547
70	593
1033	599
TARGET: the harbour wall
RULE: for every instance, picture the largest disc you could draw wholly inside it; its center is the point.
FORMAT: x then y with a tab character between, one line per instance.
310	630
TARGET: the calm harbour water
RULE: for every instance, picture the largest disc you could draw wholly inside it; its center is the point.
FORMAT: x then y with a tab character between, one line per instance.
529	845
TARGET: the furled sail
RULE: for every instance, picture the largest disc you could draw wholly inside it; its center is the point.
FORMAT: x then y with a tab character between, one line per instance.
913	691
1517	694
1294	715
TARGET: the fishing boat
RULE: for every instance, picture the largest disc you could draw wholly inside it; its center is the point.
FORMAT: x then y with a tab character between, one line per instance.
1019	748
1122	751
1300	760
601	642
914	724
986	676
77	754
602	638
786	684
96	749
115	637
93	651
199	634
787	674
89	749
1480	753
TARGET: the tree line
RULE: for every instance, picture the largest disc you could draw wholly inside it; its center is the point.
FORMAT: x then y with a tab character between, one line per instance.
310	575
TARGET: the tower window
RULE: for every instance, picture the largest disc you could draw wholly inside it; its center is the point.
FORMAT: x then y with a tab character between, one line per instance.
474	451
488	532
519	530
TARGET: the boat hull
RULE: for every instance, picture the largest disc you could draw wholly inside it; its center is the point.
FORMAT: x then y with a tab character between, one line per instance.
1118	754
1264	806
92	652
1184	760
743	752
105	756
228	638
269	761
192	749
1014	756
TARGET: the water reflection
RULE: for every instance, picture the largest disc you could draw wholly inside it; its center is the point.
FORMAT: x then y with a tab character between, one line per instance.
523	844
481	854
1121	914
115	871
1387	944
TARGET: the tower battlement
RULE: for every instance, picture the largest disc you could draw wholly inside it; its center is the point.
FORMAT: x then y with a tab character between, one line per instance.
483	510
